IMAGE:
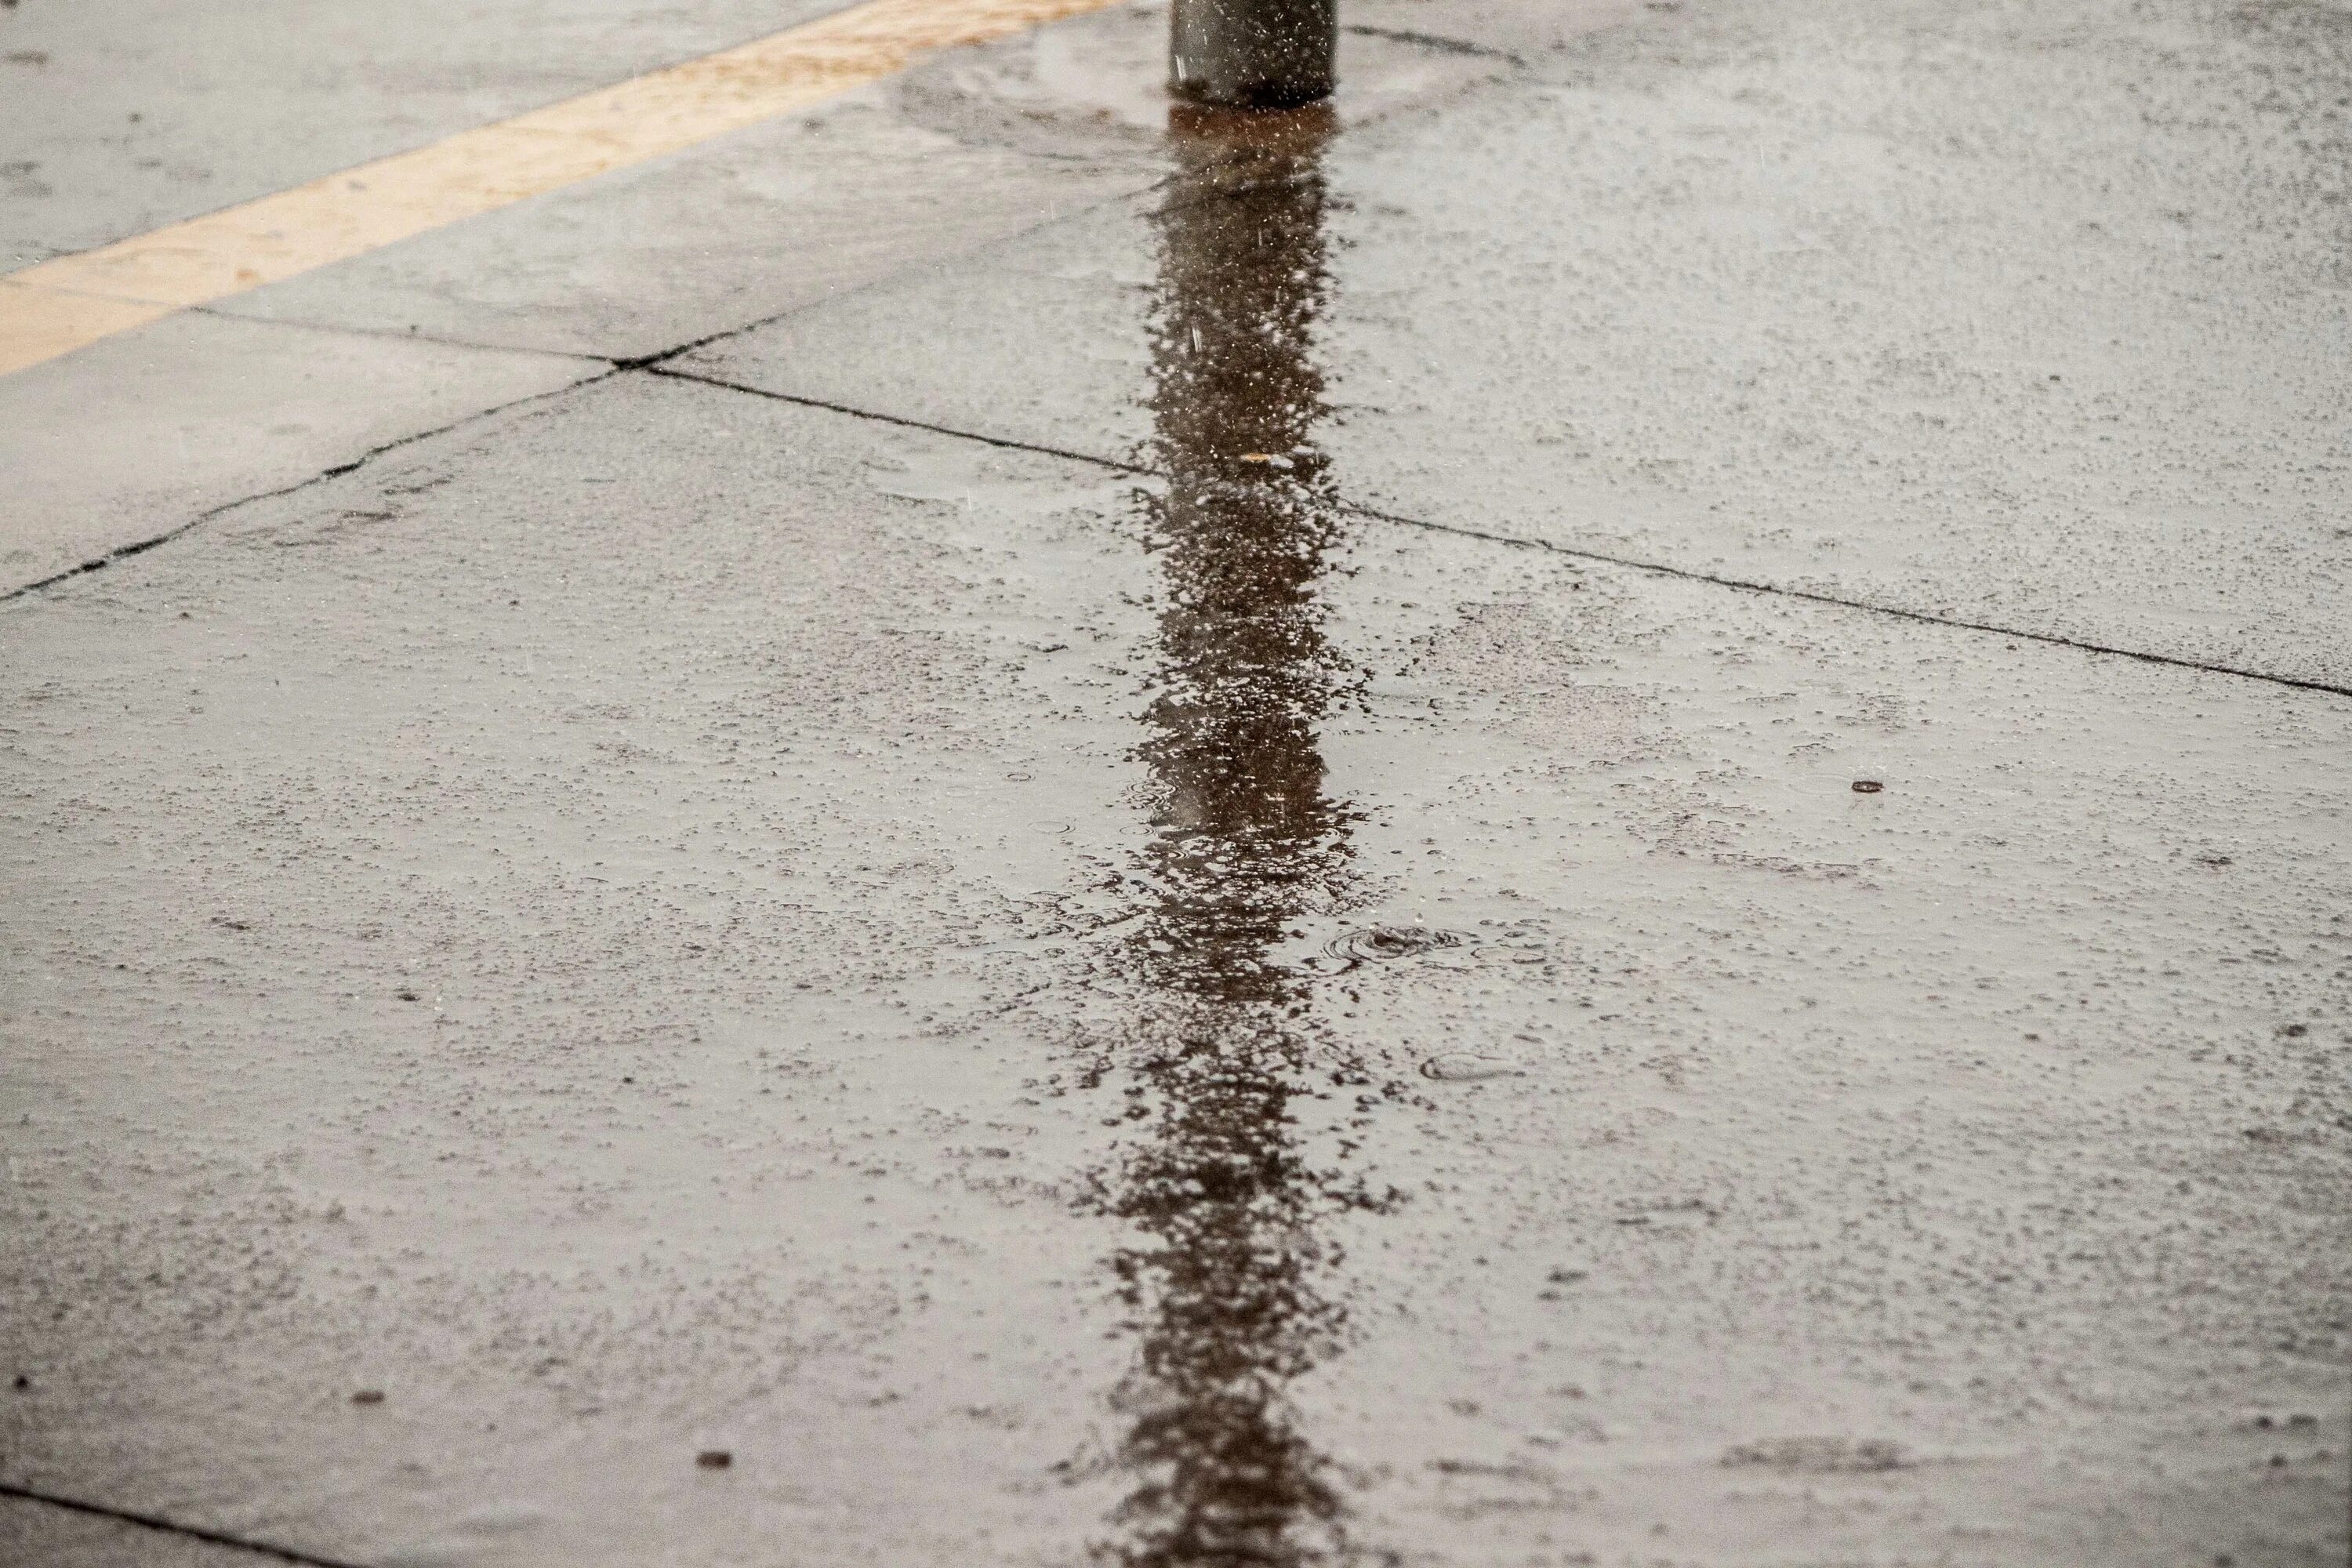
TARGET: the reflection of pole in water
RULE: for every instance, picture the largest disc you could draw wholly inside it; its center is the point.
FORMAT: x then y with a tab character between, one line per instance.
1225	1283
1245	671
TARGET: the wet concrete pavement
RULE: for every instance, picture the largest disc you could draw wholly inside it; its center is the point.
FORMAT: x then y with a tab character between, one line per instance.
1180	969
1802	301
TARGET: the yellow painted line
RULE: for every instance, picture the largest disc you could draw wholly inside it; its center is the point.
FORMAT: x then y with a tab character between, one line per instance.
62	305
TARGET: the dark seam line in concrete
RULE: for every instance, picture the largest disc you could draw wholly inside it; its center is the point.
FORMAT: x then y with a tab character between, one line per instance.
386	334
905	424
1811	596
125	551
1655	568
172	1526
1432	41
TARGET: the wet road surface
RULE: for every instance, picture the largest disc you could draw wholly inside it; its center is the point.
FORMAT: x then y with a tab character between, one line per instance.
1084	905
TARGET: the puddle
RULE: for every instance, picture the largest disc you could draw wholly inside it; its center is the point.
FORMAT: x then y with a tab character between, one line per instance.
1230	1279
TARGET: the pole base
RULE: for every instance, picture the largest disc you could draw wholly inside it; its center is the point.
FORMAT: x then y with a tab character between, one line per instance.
1253	54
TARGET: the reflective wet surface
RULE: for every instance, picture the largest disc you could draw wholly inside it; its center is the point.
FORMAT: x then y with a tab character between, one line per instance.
1230	1285
1057	1010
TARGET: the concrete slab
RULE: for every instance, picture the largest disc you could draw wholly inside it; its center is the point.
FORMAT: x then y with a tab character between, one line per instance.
666	975
976	146
889	181
738	231
2023	315
132	439
120	116
671	923
127	440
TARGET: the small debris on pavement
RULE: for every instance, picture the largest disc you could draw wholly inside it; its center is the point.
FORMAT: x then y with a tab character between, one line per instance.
367	1397
1867	786
714	1458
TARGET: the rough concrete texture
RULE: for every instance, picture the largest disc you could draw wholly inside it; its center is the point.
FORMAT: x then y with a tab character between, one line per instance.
1116	1005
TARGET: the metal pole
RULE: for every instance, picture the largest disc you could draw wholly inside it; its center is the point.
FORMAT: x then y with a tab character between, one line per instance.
1253	54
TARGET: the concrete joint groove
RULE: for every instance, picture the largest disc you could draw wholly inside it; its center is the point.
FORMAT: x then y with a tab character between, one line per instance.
172	1526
